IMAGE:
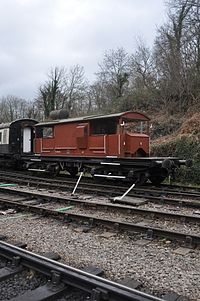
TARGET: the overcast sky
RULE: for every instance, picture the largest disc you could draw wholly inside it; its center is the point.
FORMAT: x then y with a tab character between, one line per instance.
36	35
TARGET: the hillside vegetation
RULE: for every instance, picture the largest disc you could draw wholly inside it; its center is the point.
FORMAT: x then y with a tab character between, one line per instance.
183	141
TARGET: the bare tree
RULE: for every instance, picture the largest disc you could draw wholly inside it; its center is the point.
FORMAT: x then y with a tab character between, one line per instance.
174	53
98	97
143	74
114	72
74	90
12	108
63	89
49	93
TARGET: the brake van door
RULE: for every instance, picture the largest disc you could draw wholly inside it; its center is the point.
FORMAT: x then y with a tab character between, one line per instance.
82	136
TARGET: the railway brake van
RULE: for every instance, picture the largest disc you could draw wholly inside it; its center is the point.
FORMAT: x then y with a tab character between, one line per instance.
109	146
106	146
116	135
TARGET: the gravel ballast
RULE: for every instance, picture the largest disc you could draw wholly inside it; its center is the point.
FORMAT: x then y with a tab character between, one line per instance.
155	264
19	284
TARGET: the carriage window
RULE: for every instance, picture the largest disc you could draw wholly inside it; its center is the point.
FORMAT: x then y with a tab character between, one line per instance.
5	137
103	127
47	132
0	137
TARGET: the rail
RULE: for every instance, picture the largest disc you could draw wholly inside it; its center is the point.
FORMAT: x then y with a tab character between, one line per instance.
63	276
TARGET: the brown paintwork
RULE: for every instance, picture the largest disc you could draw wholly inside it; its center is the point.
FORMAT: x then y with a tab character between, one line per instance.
74	139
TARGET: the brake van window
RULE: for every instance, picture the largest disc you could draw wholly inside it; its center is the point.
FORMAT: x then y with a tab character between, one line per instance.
47	132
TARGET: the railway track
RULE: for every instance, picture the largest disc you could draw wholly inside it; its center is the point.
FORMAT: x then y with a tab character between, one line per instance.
165	192
52	280
132	220
154	195
156	217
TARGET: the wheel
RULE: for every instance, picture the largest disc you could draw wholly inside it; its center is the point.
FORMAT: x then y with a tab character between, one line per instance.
156	180
56	170
73	171
142	179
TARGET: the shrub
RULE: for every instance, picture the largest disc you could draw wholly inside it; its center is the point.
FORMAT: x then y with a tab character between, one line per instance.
184	147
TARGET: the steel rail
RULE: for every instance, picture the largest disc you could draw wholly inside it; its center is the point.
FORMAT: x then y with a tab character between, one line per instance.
151	197
105	206
104	289
55	182
92	221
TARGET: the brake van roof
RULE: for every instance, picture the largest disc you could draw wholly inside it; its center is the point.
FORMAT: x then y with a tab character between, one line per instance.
124	115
